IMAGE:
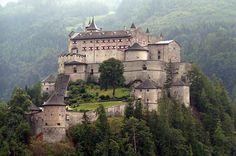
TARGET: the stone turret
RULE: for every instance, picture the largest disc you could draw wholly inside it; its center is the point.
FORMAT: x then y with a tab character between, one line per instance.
54	126
136	52
92	26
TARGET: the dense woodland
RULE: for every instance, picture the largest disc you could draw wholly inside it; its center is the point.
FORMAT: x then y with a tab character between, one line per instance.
207	128
33	33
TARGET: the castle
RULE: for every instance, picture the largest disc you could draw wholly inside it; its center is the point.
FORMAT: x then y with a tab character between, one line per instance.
145	60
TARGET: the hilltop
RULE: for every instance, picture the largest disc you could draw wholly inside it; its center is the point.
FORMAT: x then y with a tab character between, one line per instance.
33	33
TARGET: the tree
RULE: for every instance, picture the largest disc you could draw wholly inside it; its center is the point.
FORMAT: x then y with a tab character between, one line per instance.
139	136
129	110
111	74
169	77
138	111
14	128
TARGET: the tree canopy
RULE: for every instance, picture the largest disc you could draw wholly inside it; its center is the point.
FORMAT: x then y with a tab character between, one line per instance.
111	74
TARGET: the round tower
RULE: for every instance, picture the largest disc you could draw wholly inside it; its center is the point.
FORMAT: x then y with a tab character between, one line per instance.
54	119
136	52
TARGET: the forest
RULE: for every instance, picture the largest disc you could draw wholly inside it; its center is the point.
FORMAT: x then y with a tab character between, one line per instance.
34	33
206	128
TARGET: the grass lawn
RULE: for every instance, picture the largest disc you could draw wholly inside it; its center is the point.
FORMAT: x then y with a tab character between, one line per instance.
95	105
120	92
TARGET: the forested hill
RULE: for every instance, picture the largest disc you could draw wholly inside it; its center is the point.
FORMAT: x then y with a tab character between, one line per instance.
33	33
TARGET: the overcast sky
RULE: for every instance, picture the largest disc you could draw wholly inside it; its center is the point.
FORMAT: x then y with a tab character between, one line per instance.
4	2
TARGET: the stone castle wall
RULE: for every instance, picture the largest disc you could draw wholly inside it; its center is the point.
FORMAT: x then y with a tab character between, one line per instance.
165	52
68	58
47	87
181	94
46	122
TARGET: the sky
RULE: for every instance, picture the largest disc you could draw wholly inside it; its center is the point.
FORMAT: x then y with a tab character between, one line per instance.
4	2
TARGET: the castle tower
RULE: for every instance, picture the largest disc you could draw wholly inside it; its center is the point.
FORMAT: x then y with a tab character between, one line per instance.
136	52
54	126
92	26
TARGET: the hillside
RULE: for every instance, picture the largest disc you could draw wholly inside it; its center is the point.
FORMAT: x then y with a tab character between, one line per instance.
33	33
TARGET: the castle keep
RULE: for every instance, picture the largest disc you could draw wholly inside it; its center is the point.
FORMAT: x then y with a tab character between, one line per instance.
145	60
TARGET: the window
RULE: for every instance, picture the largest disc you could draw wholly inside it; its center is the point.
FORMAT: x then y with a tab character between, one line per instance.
103	41
58	124
147	90
108	47
97	41
91	72
74	50
120	40
46	88
114	47
114	40
84	41
74	42
144	67
103	47
108	40
159	55
97	48
84	48
140	90
91	41
147	100
90	48
46	124
74	70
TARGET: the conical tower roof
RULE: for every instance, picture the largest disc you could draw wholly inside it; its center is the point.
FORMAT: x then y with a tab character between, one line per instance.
33	107
55	100
92	25
136	47
133	26
148	84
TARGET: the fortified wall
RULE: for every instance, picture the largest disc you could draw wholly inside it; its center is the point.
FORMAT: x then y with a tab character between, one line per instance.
145	59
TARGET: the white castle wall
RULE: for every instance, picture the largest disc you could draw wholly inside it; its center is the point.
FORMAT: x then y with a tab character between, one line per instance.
136	55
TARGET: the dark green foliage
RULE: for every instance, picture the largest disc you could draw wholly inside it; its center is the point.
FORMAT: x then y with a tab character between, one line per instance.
111	74
129	110
35	94
14	129
169	76
137	134
138	111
